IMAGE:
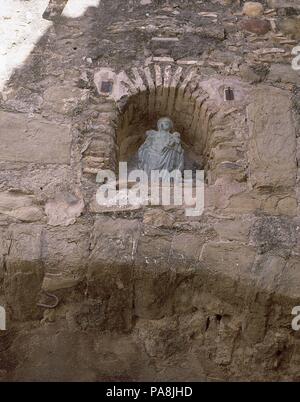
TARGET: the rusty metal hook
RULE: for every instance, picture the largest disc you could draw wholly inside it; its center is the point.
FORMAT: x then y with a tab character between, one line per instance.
49	305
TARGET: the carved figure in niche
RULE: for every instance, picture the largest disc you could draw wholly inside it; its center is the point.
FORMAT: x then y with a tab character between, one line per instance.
162	149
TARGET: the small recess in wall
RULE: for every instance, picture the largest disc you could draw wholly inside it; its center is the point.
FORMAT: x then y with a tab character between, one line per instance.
228	94
107	87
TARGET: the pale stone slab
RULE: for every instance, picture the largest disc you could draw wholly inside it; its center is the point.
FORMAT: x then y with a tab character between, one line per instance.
115	86
64	209
272	151
33	140
20	206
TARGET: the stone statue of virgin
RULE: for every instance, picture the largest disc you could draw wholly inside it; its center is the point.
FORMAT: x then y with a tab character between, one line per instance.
162	149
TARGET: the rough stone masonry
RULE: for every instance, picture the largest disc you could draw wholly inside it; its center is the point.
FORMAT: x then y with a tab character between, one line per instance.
146	293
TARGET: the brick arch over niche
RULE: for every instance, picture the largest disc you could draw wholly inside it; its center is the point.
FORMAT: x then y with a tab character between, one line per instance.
165	94
204	118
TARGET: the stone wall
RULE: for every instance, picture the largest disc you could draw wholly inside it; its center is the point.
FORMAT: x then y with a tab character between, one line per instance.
148	293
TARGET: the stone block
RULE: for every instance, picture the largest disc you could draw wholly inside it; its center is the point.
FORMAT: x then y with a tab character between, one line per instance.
65	252
153	276
186	247
110	270
63	99
253	9
289	284
273	233
158	218
34	140
64	209
255	25
236	229
277	4
272	148
284	73
20	206
25	271
112	85
233	261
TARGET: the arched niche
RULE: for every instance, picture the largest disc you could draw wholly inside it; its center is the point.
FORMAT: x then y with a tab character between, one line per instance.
210	125
181	99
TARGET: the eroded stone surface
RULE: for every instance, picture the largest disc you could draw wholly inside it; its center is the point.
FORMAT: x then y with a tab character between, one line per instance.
202	298
64	209
25	271
253	9
20	206
36	140
256	26
272	139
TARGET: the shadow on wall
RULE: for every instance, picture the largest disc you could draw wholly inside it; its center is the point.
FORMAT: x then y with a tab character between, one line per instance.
72	45
63	63
56	81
